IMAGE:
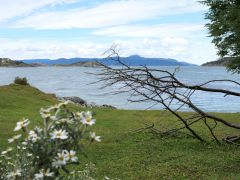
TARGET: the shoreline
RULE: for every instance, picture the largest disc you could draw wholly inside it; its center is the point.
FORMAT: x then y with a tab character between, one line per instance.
86	104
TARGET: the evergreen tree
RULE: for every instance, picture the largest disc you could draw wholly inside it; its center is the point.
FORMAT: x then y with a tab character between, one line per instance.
224	27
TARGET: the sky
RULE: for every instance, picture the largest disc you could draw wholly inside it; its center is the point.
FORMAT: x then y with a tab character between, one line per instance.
35	29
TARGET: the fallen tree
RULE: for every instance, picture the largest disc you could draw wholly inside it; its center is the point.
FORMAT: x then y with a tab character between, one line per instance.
163	87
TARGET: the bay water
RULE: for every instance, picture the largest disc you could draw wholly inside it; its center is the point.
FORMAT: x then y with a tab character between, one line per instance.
76	81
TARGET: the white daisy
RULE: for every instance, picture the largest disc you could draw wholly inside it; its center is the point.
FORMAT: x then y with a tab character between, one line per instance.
54	118
21	124
61	159
43	110
9	149
57	163
45	115
87	118
63	104
64	120
6	151
71	155
43	173
94	137
14	174
59	134
79	114
38	129
24	143
14	138
32	136
53	108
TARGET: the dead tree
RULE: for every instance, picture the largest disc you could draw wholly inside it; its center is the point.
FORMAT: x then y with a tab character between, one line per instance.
161	86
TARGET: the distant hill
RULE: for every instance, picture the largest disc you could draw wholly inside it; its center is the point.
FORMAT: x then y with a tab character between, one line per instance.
6	62
38	64
82	64
220	62
134	60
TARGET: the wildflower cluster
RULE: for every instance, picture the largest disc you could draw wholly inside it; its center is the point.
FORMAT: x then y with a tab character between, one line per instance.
46	153
87	174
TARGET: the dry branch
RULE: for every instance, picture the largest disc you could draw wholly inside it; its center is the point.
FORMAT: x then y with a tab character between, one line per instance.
163	87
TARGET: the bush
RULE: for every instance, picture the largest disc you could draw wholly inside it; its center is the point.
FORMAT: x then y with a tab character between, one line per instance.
21	81
46	152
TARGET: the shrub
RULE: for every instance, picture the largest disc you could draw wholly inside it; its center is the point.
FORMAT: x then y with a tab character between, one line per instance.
46	153
21	81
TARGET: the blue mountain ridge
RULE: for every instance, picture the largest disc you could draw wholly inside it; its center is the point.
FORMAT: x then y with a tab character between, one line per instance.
134	60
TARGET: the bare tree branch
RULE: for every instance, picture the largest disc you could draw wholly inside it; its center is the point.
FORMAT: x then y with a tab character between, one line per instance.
163	87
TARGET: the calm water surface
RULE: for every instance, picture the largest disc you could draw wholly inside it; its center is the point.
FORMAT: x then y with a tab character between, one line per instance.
74	81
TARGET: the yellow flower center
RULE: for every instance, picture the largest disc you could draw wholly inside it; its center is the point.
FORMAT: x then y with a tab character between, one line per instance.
88	119
58	134
61	158
22	124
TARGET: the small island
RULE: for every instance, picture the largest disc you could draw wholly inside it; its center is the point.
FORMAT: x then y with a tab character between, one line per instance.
6	62
220	62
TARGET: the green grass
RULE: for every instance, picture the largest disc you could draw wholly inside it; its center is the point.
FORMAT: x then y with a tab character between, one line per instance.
18	101
127	155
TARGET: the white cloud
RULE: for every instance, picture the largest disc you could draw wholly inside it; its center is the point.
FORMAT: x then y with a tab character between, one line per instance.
14	8
39	48
161	30
108	14
123	19
148	47
182	49
186	42
168	47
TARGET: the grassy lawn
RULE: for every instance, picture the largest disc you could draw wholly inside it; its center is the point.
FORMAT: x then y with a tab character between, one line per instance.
144	155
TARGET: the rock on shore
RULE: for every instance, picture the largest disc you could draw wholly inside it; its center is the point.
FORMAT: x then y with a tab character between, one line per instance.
76	100
79	101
